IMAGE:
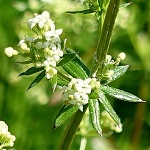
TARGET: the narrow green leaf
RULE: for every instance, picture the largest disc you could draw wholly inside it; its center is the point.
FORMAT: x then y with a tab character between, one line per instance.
86	11
118	72
37	79
64	114
94	110
31	70
66	58
25	62
76	68
53	82
62	79
120	94
106	104
78	60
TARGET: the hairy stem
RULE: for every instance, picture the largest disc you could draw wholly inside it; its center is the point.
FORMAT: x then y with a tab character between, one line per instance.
105	36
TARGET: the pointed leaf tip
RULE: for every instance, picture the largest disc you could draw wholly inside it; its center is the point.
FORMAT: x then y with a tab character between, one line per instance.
37	79
120	94
31	71
106	104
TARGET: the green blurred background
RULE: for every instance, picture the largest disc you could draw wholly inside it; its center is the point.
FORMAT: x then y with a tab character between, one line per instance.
30	114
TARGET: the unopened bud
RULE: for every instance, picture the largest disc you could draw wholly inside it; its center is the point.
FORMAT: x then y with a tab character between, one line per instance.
122	56
9	51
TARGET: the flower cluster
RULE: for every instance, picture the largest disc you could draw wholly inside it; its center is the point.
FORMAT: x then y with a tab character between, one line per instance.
6	139
78	90
110	64
44	50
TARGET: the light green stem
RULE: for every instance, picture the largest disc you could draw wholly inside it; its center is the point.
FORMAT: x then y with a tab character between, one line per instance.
83	143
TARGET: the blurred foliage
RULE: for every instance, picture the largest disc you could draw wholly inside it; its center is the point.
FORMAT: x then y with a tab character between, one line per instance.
30	115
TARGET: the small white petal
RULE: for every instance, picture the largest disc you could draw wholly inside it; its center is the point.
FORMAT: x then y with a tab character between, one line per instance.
77	96
56	58
58	32
45	14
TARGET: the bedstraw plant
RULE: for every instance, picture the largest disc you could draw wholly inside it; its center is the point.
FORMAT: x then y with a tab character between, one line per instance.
84	91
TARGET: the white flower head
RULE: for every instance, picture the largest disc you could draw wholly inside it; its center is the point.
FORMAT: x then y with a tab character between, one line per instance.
9	51
77	91
40	20
6	139
53	35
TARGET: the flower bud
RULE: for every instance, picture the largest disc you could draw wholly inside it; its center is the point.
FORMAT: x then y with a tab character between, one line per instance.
122	56
9	51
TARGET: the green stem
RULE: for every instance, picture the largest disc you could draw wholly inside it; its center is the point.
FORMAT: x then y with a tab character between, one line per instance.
105	36
83	143
71	130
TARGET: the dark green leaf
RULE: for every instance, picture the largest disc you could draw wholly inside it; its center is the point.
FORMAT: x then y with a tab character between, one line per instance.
78	60
87	11
64	114
118	72
66	58
76	68
25	62
31	70
53	82
120	94
94	110
106	104
37	79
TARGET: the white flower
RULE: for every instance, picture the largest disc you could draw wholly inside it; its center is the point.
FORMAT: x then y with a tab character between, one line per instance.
40	20
49	62
76	93
50	72
53	35
6	139
9	51
24	46
3	127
